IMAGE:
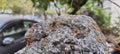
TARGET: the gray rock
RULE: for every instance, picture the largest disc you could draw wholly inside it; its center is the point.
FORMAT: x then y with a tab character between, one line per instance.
67	35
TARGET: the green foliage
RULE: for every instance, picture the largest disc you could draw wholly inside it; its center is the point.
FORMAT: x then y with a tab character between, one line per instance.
17	6
21	7
116	28
70	10
75	4
4	4
41	4
100	15
51	12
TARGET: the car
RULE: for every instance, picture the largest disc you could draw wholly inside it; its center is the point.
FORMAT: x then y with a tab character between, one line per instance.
12	31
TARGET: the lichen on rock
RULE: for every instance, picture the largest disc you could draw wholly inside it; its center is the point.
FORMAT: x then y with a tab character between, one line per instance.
73	34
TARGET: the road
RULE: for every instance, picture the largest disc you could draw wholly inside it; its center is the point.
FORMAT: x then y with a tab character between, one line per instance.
11	49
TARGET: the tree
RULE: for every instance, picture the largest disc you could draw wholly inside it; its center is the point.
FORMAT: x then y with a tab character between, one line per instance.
75	4
21	7
4	5
95	6
17	6
97	12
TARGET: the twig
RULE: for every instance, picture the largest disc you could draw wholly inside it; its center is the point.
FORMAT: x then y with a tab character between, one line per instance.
114	3
58	12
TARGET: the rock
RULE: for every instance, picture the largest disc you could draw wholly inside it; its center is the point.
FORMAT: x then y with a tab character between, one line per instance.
66	35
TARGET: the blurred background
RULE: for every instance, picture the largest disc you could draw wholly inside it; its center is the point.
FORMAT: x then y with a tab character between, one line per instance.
105	12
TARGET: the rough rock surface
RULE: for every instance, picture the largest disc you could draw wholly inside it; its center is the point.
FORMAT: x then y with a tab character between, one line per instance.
67	35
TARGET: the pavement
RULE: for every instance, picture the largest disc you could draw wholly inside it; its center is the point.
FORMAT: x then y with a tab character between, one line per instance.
10	49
